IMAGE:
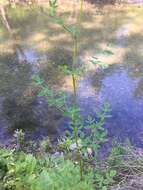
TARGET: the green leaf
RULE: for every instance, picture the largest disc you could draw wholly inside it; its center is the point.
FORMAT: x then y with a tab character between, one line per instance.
74	30
113	173
53	6
95	61
108	52
104	188
37	80
58	20
99	177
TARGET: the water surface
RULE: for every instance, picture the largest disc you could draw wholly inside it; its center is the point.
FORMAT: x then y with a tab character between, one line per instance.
32	49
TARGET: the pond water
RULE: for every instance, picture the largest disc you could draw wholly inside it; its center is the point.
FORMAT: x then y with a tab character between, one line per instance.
21	56
120	90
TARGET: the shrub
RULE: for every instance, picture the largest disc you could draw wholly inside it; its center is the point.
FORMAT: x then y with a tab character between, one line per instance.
20	171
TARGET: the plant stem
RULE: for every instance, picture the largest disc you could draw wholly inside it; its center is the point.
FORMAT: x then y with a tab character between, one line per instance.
74	65
75	54
78	152
74	85
80	12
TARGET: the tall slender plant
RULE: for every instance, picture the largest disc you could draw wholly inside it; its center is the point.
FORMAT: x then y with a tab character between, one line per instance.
77	125
75	34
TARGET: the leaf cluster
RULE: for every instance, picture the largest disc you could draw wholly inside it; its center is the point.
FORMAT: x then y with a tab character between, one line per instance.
20	171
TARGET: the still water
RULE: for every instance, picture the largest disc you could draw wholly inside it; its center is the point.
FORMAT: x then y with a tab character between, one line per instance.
27	51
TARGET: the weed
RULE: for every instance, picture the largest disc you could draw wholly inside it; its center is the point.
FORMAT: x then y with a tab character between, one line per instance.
97	133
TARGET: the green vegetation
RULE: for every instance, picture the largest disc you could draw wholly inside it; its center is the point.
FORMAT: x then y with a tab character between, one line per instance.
78	136
74	161
42	170
20	171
